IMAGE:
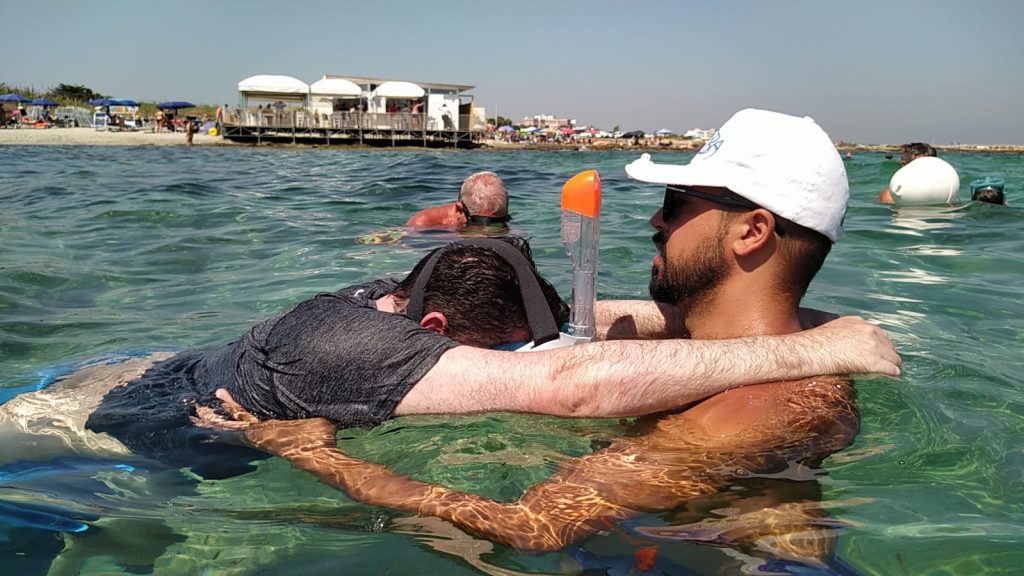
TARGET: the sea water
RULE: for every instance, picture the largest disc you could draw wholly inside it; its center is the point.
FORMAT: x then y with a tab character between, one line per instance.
109	250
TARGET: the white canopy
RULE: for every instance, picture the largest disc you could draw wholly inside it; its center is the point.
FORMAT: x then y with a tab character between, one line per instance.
335	87
396	89
271	84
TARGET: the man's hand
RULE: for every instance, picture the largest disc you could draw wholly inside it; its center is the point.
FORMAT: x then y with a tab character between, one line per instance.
857	346
279	437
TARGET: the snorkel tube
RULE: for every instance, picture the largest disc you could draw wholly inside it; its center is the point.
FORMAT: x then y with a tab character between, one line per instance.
581	219
581	215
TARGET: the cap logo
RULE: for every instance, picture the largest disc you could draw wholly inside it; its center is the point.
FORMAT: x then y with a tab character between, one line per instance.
712	145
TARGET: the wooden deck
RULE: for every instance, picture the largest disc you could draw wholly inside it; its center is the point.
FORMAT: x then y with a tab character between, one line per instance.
342	129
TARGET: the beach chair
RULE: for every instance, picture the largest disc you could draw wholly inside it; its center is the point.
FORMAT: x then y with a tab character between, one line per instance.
100	121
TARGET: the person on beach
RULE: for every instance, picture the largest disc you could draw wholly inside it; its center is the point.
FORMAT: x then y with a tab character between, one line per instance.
360	356
483	199
908	153
741	233
190	131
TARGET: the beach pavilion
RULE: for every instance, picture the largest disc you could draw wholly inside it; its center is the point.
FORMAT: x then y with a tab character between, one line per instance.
328	95
355	110
271	88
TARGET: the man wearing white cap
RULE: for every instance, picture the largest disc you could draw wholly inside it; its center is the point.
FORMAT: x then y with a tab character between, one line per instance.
742	231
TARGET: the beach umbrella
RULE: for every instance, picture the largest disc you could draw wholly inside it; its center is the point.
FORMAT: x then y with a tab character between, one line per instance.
568	131
175	105
113	102
14	98
506	128
664	131
44	102
398	89
633	134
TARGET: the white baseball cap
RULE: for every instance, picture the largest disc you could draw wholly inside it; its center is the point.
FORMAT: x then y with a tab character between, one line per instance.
783	163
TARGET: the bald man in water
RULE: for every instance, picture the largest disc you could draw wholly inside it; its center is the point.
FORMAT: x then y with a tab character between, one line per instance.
483	199
741	233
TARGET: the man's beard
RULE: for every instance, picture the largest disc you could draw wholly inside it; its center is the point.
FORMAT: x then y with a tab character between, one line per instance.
688	282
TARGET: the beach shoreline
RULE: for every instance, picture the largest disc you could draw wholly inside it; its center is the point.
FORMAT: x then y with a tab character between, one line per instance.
93	137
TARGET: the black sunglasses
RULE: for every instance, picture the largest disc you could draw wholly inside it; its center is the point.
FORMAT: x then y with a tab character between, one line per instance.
477	219
673	201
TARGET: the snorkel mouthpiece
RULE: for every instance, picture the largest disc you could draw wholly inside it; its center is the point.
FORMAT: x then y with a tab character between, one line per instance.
581	218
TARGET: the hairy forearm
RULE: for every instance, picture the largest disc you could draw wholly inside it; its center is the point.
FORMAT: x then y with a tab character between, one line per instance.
634	378
637	320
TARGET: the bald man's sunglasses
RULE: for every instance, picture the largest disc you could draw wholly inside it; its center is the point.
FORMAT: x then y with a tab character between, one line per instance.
477	219
675	196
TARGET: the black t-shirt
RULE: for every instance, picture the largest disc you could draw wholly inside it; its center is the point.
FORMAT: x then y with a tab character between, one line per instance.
334	355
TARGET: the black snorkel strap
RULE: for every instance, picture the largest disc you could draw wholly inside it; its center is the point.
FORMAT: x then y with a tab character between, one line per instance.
488	220
543	327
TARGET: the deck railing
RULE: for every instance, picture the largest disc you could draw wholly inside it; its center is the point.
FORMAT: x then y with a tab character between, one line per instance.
354	120
399	121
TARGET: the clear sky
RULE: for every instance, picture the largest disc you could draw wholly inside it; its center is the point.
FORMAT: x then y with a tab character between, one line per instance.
869	71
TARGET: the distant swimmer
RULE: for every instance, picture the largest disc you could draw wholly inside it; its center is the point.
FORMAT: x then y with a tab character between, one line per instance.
481	210
988	189
908	153
483	199
742	231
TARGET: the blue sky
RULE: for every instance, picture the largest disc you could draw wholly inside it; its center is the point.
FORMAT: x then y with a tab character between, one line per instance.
869	71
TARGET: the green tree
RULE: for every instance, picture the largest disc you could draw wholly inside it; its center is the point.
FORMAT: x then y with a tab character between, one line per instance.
501	121
74	93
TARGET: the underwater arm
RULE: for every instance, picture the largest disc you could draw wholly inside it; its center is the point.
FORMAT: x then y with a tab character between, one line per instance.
548	517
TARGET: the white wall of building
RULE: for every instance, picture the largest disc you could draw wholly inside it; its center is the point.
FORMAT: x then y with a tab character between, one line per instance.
437	105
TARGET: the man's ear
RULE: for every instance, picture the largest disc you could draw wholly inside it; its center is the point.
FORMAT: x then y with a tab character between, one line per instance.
755	230
456	215
435	321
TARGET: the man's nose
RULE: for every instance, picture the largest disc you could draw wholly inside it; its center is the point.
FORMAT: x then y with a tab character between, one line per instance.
657	221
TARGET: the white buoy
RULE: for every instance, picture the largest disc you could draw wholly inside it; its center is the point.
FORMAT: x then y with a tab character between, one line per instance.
925	181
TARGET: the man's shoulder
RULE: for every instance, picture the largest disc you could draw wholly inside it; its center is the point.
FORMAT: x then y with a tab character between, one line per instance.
366	292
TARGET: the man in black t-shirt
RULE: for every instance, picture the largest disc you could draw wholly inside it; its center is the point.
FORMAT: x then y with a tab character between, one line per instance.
351	356
345	355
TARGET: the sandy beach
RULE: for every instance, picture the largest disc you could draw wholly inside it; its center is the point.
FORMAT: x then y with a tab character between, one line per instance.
91	136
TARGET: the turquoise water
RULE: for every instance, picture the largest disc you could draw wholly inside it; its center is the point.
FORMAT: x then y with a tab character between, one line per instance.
106	249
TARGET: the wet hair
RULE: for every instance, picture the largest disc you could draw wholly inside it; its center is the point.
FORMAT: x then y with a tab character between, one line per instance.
915	150
484	194
477	291
990	195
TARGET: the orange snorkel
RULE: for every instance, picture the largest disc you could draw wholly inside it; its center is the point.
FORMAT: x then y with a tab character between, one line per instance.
581	219
581	215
